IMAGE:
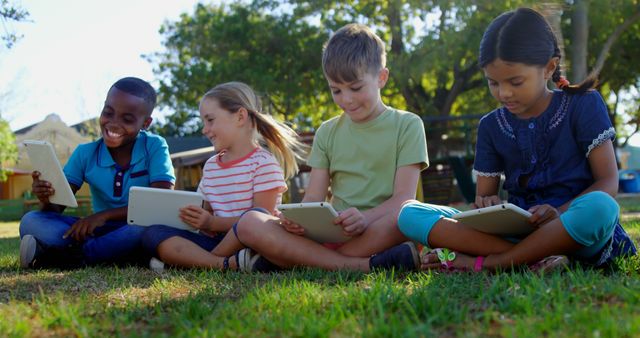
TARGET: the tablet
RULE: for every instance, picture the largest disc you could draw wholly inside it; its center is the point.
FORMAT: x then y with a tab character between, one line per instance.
43	159
503	219
317	220
151	206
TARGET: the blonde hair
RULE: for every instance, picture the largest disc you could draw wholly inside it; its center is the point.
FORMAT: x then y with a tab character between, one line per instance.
352	51
281	140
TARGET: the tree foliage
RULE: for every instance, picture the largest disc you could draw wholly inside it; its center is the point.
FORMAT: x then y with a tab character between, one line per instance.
11	13
277	56
8	146
620	72
8	150
275	45
432	45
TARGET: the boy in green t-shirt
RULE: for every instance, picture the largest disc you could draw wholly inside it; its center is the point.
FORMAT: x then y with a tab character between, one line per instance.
371	157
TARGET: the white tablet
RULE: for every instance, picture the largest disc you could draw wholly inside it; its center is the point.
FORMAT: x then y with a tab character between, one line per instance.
503	219
151	206
43	159
317	220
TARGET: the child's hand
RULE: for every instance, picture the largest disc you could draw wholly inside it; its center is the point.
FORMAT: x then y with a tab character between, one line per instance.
84	227
541	214
197	217
352	221
291	227
42	189
486	201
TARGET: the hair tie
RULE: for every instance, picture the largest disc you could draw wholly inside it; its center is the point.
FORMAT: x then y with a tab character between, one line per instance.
563	82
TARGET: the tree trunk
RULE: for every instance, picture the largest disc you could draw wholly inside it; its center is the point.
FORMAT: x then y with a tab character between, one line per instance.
580	27
553	13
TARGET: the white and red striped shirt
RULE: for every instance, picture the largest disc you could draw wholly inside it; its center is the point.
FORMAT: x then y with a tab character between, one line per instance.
229	186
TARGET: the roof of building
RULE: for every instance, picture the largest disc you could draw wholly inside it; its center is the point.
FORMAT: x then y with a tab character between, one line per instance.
182	144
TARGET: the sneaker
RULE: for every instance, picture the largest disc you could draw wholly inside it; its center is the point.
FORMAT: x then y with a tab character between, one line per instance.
251	261
549	264
156	265
403	256
29	251
33	255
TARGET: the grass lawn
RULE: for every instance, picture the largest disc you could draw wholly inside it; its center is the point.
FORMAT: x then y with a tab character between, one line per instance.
134	301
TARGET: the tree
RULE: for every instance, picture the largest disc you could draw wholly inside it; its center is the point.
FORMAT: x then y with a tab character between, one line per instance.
8	145
432	52
612	43
276	46
8	13
432	61
278	56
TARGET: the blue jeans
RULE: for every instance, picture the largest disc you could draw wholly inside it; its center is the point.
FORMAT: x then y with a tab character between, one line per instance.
114	242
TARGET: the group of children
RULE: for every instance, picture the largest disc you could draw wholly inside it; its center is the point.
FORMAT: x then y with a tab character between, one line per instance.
553	147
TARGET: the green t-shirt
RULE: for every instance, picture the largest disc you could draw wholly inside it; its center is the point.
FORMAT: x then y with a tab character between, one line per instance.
362	158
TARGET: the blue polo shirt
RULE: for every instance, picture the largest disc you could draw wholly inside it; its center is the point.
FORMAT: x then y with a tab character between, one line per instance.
110	183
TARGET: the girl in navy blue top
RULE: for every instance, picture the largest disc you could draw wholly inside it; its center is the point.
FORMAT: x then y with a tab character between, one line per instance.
554	149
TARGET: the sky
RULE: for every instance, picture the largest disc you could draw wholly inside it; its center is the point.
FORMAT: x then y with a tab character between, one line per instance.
74	50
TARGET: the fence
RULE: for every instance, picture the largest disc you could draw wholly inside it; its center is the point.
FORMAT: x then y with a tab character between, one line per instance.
451	135
451	144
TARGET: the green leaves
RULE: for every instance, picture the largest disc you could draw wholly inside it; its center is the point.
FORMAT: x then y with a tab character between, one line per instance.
10	12
279	56
9	151
432	46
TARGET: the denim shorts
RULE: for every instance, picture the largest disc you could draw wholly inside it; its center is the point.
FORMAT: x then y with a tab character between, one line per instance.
620	245
157	234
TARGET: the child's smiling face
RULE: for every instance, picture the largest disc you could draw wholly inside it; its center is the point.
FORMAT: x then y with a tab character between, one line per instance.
122	117
220	126
360	99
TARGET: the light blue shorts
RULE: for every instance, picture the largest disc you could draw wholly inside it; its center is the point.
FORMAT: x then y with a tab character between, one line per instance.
590	221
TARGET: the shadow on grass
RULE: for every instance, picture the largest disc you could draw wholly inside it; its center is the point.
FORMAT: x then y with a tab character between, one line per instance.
304	302
307	302
315	303
25	284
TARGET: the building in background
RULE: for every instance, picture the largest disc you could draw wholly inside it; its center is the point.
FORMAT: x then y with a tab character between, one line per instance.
64	140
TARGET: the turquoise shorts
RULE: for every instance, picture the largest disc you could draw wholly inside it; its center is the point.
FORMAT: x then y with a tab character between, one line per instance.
590	221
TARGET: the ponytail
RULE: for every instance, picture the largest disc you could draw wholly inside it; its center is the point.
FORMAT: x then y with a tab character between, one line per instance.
562	83
281	140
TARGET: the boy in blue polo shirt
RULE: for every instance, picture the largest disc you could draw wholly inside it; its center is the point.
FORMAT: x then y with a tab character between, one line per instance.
125	156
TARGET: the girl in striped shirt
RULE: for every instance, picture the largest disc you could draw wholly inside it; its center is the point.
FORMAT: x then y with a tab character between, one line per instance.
242	176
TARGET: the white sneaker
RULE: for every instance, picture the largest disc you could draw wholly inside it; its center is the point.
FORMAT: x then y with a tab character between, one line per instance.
156	265
251	261
28	251
246	259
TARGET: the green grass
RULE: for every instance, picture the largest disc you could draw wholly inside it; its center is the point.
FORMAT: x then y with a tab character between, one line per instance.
132	301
